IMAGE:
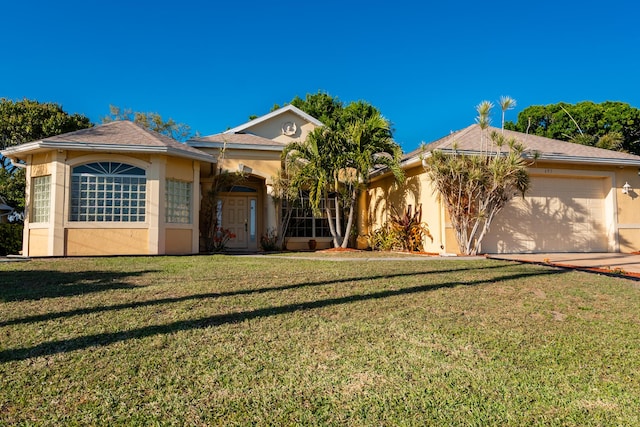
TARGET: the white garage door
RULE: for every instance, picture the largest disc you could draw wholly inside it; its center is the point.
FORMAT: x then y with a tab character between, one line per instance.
559	214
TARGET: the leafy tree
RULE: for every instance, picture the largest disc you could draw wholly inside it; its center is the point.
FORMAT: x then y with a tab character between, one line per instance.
27	121
475	188
151	121
585	123
334	161
12	187
321	106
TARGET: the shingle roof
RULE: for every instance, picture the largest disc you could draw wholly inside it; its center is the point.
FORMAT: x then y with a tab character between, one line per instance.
117	136
238	138
243	140
468	140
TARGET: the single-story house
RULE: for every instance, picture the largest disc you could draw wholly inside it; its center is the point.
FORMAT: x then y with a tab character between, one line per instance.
120	189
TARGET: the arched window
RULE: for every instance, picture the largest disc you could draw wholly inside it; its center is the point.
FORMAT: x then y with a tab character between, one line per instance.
108	192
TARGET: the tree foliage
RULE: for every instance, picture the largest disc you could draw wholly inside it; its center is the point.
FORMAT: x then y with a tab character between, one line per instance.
475	187
27	121
12	187
322	106
610	125
335	160
151	121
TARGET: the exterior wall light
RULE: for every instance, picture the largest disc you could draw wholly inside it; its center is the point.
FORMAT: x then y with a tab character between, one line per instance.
626	188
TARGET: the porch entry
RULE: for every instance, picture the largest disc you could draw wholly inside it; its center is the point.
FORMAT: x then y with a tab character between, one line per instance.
239	217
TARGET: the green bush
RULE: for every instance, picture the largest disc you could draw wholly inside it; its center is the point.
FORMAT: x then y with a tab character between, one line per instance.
384	239
10	239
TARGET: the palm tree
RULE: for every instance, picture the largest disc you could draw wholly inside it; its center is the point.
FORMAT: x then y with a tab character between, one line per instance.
506	103
369	146
339	160
484	119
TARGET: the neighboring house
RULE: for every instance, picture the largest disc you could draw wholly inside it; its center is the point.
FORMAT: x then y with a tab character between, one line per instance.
5	211
120	189
577	202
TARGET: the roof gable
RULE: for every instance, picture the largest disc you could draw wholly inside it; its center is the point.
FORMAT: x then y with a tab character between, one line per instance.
468	140
280	111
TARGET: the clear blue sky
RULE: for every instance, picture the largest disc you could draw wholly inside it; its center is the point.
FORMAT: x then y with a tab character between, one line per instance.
425	65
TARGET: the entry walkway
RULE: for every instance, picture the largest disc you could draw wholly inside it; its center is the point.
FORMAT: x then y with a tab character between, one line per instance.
606	261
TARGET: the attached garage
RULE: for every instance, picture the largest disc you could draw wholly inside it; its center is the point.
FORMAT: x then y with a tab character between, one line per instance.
559	214
581	198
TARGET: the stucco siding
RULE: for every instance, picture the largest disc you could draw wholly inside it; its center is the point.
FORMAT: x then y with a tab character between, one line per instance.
178	241
109	241
272	129
179	169
40	164
38	242
385	196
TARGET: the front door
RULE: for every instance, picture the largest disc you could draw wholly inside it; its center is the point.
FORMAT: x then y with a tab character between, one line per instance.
239	217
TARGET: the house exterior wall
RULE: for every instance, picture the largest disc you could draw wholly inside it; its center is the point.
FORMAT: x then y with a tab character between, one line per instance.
272	129
62	237
628	209
384	195
178	241
108	241
621	211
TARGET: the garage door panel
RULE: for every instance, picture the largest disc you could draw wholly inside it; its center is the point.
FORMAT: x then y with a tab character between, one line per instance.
557	215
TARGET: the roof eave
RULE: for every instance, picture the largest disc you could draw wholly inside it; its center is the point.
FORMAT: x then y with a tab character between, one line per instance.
560	158
38	146
275	113
237	146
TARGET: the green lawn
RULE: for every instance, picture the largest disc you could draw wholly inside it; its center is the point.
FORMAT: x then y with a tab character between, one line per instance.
223	340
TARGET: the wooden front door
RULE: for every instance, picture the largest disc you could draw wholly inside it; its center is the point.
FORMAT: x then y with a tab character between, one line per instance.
239	217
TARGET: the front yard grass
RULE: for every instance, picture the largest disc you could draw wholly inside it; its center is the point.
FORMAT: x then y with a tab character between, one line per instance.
229	340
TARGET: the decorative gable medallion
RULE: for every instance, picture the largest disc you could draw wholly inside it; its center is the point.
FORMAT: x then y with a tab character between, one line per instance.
289	128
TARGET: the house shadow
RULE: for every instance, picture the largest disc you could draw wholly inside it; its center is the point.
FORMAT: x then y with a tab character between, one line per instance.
388	200
103	339
539	224
25	285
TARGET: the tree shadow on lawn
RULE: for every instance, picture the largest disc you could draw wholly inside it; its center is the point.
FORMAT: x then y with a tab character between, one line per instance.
98	340
211	295
35	285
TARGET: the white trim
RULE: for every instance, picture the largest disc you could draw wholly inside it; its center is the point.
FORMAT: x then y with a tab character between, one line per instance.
237	146
564	158
276	113
14	152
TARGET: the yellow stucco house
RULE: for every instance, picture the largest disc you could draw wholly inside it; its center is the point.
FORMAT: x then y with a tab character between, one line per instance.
120	189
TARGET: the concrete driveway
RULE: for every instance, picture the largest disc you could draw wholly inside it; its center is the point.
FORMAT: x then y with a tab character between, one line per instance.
606	261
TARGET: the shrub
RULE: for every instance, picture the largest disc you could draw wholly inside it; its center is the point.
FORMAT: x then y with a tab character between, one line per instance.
221	237
383	239
409	229
10	239
269	241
